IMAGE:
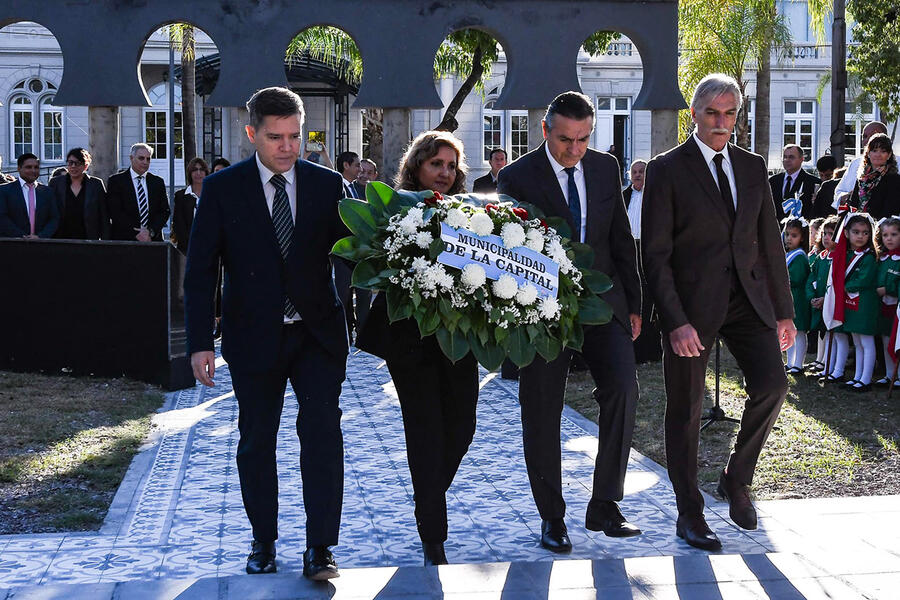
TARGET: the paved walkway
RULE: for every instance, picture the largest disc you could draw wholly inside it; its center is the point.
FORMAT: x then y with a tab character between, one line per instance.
177	523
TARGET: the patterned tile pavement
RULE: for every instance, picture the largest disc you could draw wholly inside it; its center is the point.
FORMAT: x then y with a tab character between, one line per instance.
179	512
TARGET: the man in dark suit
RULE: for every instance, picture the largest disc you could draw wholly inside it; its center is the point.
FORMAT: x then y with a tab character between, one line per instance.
715	266
27	208
272	220
792	182
487	184
136	200
349	166
562	177
824	196
368	171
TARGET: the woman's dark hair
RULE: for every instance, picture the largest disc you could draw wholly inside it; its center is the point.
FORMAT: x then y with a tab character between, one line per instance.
221	161
866	219
804	232
81	155
426	145
881	141
193	163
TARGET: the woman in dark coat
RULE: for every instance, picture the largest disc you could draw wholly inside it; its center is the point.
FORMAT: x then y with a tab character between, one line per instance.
437	397
877	190
81	200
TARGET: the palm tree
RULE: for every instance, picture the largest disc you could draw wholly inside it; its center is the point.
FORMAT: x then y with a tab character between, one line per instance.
182	36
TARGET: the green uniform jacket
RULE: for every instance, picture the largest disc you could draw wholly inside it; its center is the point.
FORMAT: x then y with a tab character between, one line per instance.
862	280
815	288
798	273
889	279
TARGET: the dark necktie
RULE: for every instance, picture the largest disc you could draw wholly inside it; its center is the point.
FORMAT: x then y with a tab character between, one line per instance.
787	187
284	228
574	203
724	185
143	207
350	192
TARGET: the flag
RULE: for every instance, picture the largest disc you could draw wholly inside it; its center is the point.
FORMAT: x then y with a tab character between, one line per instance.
792	207
833	305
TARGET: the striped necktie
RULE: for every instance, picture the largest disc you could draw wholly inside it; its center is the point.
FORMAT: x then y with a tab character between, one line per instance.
284	228
143	206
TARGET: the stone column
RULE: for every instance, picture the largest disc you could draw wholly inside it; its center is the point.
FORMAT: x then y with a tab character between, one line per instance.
663	130
103	140
535	132
397	133
244	149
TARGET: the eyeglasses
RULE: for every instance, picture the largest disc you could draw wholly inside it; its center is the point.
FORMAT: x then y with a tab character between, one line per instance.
73	163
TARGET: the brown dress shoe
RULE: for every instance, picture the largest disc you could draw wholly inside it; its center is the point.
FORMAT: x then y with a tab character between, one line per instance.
695	531
740	508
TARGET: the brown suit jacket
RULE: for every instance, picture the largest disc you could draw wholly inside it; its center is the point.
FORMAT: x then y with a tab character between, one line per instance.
690	244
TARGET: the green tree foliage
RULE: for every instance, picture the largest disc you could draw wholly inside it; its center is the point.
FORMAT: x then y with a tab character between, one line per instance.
876	58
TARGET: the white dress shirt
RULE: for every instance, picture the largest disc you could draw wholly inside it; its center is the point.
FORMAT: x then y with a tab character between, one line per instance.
25	189
269	190
847	183
708	154
634	212
563	178
790	186
189	191
348	188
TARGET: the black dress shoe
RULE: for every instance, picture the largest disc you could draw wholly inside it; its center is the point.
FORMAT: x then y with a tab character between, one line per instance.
605	516
434	553
697	533
262	558
318	564
555	536
740	508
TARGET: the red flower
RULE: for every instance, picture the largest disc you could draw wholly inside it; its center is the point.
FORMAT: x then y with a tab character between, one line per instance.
437	195
521	213
544	225
489	208
431	201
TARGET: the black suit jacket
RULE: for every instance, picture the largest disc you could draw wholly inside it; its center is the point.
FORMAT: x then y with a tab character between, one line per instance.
885	198
691	244
96	219
360	189
824	198
626	196
531	179
804	181
182	219
484	185
233	223
14	220
121	202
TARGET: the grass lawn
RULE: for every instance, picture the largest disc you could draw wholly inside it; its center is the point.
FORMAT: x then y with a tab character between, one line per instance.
67	443
827	442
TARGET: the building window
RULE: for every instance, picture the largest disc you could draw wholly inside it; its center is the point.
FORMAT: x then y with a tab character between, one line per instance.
506	129
612	127
157	133
856	115
751	115
212	134
800	125
36	125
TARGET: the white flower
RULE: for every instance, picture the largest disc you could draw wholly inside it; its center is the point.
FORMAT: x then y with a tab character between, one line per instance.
444	279
513	235
534	240
423	239
415	213
419	264
481	224
527	294
456	218
549	308
556	251
505	287
473	275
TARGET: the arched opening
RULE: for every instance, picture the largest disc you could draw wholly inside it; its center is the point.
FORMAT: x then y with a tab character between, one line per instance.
611	74
193	128
470	70
32	123
324	66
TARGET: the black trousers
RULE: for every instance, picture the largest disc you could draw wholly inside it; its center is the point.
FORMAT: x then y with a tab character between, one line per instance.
438	400
648	345
756	349
609	354
355	312
316	377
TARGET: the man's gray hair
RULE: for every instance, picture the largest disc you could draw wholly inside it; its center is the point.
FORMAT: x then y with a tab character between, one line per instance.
140	145
711	87
637	161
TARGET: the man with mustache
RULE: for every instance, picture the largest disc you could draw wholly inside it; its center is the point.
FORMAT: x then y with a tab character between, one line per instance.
715	266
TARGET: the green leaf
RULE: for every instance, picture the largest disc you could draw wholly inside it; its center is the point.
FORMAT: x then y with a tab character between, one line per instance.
520	349
435	248
490	356
454	345
500	334
593	311
357	216
596	281
547	346
430	322
584	255
347	247
398	305
576	338
365	271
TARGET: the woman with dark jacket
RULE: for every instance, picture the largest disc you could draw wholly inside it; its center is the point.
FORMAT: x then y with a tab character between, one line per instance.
437	397
877	190
81	200
186	203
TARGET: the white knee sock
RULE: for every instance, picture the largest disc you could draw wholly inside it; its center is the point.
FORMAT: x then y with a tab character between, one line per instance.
795	358
865	357
820	348
841	345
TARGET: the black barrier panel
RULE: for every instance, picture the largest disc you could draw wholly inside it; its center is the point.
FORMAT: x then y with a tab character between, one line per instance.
91	307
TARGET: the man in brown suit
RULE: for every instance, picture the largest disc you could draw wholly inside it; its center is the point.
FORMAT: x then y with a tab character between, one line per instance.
715	265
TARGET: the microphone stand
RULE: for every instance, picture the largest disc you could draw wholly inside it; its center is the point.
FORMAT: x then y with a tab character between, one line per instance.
715	413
